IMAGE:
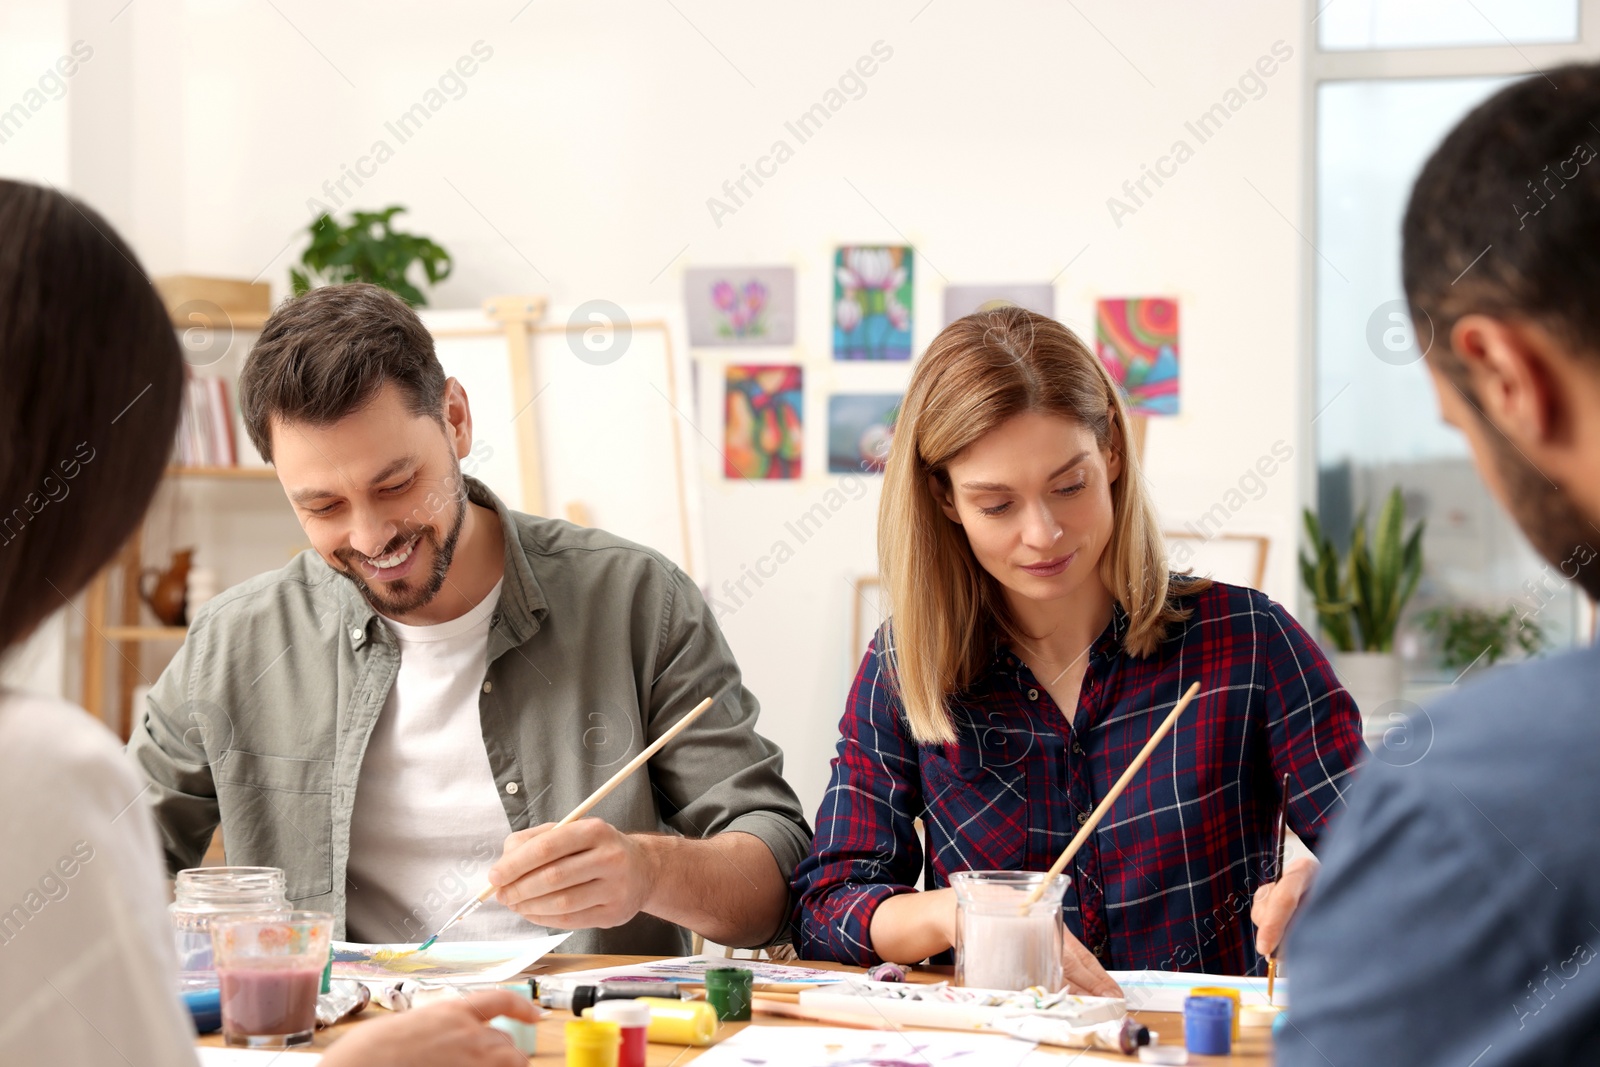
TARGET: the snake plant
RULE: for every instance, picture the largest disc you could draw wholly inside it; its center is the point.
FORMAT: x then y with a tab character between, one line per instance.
1359	601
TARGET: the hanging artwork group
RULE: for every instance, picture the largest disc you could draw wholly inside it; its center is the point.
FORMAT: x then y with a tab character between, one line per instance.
1136	339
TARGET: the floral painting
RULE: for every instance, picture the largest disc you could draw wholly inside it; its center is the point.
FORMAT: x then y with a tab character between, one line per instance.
740	305
872	302
860	430
764	429
1137	339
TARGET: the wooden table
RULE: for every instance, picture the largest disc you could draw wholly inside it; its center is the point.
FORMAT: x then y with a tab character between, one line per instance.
1253	1049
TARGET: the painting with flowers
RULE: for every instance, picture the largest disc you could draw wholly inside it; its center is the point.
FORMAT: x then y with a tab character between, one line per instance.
860	431
763	430
872	302
1137	339
740	305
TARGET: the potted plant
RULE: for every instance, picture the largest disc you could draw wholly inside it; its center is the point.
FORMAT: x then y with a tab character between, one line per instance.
1472	638
1359	601
369	249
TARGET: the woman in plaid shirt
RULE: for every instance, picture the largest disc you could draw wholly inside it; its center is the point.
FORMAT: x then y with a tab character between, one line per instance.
1037	640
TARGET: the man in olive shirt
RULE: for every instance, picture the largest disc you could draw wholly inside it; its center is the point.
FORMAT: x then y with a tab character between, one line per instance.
440	672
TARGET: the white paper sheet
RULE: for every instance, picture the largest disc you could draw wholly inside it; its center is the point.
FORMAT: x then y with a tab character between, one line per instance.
1166	990
450	962
828	1046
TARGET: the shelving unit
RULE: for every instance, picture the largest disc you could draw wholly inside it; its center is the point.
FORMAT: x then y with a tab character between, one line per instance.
114	632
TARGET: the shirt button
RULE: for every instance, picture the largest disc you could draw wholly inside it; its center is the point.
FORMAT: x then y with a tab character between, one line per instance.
488	687
355	634
511	787
1033	694
1077	749
1083	817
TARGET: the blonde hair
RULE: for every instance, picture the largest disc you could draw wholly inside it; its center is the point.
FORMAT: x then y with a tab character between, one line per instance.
945	608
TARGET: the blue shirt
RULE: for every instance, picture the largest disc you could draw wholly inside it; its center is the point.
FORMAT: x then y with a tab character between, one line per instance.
1456	918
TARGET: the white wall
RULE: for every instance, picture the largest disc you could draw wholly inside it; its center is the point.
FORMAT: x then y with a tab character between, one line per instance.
580	158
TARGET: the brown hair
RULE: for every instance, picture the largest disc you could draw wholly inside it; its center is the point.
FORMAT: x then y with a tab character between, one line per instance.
1504	218
946	609
326	354
93	376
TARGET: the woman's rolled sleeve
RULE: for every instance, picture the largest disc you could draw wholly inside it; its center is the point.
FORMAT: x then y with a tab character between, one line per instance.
866	848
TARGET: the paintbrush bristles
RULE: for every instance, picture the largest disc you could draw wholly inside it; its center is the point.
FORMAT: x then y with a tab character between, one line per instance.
1105	804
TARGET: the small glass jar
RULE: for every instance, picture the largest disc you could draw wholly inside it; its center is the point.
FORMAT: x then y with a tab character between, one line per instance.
204	893
1002	941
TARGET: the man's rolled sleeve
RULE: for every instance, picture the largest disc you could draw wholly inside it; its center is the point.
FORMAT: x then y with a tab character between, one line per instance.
722	775
172	748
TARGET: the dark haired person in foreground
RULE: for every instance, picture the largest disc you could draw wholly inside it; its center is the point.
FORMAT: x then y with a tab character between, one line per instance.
93	378
441	672
1456	918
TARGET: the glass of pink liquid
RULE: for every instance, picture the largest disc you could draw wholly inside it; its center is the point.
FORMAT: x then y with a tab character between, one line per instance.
270	969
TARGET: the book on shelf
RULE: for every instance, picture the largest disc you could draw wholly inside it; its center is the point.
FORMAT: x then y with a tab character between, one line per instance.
205	425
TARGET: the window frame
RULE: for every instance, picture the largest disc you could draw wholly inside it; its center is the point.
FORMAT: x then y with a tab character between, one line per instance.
1432	61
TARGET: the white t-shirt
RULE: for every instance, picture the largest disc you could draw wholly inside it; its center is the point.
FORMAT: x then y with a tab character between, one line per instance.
88	972
428	823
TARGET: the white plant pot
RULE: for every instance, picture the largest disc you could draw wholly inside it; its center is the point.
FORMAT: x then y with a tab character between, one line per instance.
1373	680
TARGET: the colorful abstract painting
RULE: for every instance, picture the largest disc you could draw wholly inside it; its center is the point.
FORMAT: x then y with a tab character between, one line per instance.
860	430
872	302
764	427
1137	339
963	300
740	305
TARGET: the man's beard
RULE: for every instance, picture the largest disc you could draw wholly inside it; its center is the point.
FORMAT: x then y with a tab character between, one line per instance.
405	595
1557	530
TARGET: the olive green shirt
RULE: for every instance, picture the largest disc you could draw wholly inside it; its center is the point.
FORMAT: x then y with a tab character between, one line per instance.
598	645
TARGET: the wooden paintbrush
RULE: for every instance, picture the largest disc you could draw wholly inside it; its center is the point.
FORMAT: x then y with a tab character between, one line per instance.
1105	805
583	809
1277	876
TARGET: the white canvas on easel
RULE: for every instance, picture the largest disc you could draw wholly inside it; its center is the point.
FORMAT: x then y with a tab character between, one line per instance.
602	441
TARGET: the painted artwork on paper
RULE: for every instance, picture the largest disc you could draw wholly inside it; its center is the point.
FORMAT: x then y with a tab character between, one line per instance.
860	430
872	302
692	969
740	305
446	961
963	300
1137	339
764	428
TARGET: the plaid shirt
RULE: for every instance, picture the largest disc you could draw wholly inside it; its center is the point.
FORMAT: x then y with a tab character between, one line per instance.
1166	879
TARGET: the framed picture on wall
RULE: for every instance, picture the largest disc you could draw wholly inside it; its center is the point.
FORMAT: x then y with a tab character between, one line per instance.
872	302
860	430
739	305
763	429
963	300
